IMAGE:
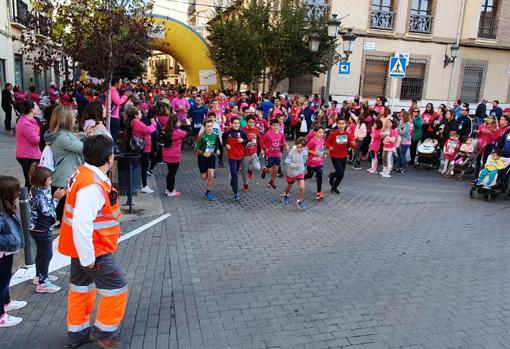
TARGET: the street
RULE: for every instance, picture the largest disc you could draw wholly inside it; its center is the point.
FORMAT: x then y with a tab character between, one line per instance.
402	262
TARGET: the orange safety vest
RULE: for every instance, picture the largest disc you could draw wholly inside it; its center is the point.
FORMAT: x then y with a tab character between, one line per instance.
106	225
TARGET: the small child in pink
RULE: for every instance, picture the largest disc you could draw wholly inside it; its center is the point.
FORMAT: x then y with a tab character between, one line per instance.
389	136
315	147
375	145
450	150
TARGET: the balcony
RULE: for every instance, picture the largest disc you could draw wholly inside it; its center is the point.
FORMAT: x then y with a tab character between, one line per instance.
382	20
43	26
20	14
487	27
420	24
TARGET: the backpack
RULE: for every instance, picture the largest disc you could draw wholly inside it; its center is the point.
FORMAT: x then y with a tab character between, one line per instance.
47	159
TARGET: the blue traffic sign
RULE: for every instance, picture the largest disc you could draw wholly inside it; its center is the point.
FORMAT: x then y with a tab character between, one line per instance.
344	68
398	67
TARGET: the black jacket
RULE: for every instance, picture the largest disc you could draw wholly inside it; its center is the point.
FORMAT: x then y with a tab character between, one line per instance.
465	127
7	100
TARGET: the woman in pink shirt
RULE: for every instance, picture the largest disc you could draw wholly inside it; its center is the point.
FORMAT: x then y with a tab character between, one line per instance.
27	139
488	135
173	136
117	103
139	129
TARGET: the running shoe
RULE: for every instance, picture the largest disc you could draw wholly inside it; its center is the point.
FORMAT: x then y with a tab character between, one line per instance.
237	197
150	173
334	190
356	167
52	278
147	190
271	185
385	175
209	196
319	196
300	204
8	321
285	199
173	193
250	174
263	172
245	188
15	305
47	287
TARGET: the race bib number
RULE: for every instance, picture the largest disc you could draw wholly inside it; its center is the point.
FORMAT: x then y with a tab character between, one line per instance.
210	147
342	139
197	125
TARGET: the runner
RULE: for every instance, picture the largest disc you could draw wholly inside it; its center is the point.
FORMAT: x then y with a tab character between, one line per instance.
315	148
251	159
295	161
235	141
207	146
274	140
339	142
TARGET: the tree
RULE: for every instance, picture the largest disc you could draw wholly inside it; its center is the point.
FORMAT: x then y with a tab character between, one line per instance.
103	36
248	39
161	70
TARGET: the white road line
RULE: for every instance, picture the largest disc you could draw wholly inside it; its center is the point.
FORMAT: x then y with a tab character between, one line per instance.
60	261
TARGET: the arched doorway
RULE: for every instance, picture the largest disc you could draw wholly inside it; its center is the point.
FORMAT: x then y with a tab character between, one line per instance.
188	47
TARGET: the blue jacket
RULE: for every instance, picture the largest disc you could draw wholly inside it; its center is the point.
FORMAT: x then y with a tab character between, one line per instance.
197	114
42	209
11	233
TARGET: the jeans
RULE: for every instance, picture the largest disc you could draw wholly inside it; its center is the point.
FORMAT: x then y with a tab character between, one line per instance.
484	173
5	279
25	166
309	174
43	255
338	175
170	177
145	167
114	129
402	156
234	169
250	163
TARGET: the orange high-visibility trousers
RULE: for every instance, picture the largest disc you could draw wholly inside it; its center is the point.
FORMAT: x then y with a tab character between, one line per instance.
105	279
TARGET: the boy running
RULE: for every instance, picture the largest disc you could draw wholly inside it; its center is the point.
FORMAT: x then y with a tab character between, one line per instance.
235	141
251	160
206	148
295	161
339	142
274	140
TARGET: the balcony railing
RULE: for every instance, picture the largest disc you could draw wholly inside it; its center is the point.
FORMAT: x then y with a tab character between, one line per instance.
381	20
420	24
43	26
487	27
20	12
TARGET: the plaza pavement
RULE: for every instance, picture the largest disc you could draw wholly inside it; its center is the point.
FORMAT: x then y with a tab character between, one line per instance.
405	262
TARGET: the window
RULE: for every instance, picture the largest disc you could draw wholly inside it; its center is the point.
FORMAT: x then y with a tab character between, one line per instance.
302	84
412	84
420	20
3	78
315	8
471	82
18	70
375	76
487	25
381	15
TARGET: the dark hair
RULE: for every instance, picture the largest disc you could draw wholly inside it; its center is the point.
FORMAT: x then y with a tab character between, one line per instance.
250	117
48	111
211	114
170	125
301	140
378	124
93	111
275	121
132	113
496	101
39	175
431	107
234	119
361	119
9	192
31	88
498	152
28	105
97	150
208	120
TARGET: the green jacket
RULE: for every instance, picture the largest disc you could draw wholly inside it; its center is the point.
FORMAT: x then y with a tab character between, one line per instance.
67	154
417	123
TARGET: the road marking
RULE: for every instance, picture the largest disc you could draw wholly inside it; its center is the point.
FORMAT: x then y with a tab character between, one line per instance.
60	261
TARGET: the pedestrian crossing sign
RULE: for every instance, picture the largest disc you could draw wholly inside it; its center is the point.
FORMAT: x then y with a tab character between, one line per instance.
398	67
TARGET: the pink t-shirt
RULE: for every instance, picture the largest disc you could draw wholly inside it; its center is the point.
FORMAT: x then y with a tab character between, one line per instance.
317	146
274	143
389	139
375	144
181	103
450	148
172	154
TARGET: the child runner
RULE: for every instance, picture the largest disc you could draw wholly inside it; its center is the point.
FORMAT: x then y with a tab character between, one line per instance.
251	159
172	143
315	147
206	148
235	141
42	209
375	146
295	161
274	140
339	142
389	135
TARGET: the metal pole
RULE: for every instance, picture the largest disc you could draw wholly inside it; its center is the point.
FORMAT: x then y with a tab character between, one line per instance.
457	42
24	208
328	76
130	188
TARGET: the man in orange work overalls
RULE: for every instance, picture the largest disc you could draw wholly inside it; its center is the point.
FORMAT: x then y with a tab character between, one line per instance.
89	234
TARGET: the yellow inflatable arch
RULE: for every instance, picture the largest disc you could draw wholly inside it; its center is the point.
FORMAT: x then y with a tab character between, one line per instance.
189	48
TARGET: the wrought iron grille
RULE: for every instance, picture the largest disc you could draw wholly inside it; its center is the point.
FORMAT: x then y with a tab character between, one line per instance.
381	20
301	85
375	76
420	24
487	27
20	12
316	9
471	83
412	84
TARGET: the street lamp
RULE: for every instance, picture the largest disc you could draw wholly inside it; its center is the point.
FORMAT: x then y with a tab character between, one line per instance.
348	39
454	52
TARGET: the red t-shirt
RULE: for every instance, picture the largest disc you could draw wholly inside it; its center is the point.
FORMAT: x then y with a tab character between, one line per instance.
253	135
340	142
237	150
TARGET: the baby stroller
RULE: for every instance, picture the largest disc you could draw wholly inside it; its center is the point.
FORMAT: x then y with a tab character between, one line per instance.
465	164
501	184
428	154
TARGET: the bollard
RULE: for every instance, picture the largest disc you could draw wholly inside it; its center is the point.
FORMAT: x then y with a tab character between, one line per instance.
24	208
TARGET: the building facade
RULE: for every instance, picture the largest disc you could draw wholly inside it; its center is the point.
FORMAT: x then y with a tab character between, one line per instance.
425	30
174	72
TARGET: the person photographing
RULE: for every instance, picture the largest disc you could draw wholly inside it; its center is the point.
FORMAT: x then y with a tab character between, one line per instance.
89	235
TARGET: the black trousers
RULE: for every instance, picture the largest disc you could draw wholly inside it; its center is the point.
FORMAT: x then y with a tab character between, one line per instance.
414	146
25	166
5	279
114	129
8	119
338	175
173	167
145	167
309	174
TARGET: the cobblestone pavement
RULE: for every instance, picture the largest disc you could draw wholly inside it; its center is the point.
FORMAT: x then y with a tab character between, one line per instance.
406	262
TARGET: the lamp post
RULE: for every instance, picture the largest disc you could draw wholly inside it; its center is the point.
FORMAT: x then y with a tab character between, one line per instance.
454	53
348	38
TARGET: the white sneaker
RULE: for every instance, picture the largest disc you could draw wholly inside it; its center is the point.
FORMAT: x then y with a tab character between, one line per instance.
15	305
147	190
52	278
47	287
8	321
385	175
172	193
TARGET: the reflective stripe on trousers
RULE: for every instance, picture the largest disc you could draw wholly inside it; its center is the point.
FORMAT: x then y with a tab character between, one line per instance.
80	303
